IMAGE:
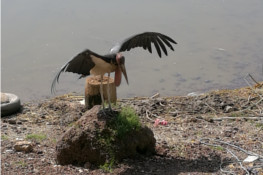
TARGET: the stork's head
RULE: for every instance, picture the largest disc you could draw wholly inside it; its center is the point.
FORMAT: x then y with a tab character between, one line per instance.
121	66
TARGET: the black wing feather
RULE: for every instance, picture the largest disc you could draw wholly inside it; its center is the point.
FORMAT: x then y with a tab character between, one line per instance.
162	45
168	44
80	64
157	48
145	40
149	45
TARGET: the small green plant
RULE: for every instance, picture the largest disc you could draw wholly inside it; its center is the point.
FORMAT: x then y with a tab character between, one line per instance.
71	124
126	121
219	148
36	137
4	137
237	114
74	124
107	167
259	125
21	163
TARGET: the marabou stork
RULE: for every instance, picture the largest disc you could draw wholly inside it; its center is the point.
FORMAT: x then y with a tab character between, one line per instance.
89	62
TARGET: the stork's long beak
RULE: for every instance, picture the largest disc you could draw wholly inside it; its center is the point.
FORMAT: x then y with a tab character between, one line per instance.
123	69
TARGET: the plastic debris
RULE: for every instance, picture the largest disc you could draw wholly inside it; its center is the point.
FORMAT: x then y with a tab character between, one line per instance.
162	122
250	159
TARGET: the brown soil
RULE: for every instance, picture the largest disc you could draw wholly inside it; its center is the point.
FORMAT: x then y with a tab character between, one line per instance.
208	133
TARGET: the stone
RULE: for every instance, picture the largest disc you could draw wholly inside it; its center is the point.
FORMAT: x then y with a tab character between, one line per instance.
12	121
24	146
86	142
229	109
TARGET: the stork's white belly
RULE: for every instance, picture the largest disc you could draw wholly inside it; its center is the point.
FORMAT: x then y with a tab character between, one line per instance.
101	67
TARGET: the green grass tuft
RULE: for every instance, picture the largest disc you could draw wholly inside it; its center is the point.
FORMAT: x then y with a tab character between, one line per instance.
259	125
4	137
21	163
36	137
107	167
126	121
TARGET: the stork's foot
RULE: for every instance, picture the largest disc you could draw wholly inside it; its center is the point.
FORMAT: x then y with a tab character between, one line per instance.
108	112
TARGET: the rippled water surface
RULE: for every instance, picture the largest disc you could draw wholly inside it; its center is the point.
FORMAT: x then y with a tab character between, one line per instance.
219	42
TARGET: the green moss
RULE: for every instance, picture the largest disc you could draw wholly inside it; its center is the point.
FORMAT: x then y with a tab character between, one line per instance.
126	121
36	137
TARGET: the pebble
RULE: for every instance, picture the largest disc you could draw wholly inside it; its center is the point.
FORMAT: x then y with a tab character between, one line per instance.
12	121
23	120
24	146
8	151
229	109
4	126
19	139
19	122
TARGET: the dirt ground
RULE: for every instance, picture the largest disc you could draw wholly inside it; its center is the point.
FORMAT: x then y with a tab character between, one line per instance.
210	133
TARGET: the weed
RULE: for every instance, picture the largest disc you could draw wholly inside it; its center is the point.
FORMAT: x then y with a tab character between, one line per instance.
125	122
219	148
107	167
4	137
74	124
53	141
21	163
36	137
71	124
199	133
237	114
259	125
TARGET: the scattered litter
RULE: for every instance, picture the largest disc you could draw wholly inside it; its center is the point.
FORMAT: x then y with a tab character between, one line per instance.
250	159
162	122
82	102
192	94
221	49
155	95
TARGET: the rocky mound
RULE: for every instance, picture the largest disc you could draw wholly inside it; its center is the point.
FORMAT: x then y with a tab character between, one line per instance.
95	139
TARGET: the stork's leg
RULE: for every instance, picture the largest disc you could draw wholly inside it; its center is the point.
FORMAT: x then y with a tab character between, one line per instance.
108	91
101	91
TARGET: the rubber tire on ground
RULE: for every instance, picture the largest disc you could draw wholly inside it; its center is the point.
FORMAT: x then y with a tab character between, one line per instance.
11	107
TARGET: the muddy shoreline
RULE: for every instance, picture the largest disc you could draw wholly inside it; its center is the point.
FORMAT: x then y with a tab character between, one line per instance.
199	137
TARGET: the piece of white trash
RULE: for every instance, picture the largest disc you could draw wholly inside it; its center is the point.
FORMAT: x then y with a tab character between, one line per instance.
250	159
82	102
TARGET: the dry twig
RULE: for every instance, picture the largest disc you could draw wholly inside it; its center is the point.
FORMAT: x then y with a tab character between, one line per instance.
234	118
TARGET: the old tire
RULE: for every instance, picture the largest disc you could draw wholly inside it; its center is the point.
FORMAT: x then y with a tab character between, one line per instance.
11	106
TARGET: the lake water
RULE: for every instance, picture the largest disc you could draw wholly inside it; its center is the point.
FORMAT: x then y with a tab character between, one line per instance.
219	43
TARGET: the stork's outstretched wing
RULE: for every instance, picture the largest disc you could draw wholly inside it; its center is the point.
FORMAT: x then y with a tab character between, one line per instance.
80	64
145	40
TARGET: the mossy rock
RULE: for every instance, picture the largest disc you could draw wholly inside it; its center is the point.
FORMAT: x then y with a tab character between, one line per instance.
99	137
